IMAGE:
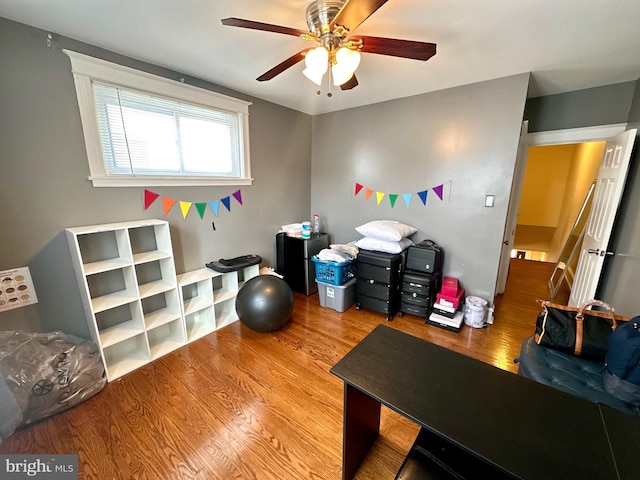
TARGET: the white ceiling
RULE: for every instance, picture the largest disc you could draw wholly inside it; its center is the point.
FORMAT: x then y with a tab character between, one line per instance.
566	44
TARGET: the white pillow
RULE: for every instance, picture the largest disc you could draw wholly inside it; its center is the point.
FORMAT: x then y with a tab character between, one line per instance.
388	230
368	243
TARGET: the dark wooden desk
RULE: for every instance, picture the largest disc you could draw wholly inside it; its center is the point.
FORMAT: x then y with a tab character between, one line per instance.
522	428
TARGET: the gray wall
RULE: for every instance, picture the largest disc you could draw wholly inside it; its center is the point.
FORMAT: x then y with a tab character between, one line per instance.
44	186
620	276
466	135
619	103
605	105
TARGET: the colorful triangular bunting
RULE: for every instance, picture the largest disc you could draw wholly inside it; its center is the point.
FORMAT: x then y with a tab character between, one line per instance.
184	207
226	201
149	198
215	205
367	193
238	196
201	207
167	203
438	191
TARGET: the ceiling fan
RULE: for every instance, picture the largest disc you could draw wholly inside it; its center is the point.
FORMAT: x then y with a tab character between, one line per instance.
331	25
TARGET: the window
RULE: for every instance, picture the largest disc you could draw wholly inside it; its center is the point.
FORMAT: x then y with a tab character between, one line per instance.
144	130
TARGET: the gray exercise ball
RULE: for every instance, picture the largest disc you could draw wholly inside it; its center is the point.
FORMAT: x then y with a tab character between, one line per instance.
264	303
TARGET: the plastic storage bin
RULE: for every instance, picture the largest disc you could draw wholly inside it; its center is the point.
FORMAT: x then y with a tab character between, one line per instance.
338	297
334	273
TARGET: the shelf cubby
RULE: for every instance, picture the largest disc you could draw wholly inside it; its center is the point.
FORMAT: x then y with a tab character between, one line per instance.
156	276
119	323
200	323
225	312
112	288
150	242
166	338
160	309
224	286
126	356
104	250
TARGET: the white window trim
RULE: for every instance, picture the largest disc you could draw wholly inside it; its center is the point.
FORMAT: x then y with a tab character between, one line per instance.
86	68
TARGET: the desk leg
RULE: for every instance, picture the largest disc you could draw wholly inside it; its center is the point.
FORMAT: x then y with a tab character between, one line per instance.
361	426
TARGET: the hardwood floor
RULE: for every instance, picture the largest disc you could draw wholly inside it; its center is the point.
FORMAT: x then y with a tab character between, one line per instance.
243	405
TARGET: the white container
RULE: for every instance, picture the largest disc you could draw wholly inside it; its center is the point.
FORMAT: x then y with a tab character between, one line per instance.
338	297
292	230
475	311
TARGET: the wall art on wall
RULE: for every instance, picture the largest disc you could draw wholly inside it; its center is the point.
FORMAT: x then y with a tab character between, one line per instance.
16	289
185	206
442	192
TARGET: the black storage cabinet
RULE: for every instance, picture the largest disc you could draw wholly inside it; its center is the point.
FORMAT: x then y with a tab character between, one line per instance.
293	260
378	281
418	293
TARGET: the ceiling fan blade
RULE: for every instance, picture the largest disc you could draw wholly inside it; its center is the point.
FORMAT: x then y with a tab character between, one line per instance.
267	27
396	47
281	67
354	12
349	84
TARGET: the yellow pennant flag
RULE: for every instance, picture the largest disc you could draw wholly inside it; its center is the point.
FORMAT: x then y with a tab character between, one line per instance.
185	206
379	197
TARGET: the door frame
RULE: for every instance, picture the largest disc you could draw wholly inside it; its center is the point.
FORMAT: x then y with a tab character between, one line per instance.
539	139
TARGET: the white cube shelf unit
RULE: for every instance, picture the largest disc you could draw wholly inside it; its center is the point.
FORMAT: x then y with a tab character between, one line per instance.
208	298
136	307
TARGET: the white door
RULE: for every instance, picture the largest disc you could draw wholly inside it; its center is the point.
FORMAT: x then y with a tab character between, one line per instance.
512	210
607	195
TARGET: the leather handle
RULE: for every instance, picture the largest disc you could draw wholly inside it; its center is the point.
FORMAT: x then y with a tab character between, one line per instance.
580	321
598	303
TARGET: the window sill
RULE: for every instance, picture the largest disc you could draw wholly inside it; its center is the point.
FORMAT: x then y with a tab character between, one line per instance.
167	182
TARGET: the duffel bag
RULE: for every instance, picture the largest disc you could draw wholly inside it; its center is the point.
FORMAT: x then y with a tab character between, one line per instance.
622	363
579	331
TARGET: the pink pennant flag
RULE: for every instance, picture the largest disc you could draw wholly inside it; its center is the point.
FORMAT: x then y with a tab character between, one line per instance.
149	198
438	190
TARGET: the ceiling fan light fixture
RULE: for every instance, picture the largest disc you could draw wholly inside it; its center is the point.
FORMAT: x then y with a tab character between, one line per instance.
313	75
347	62
348	59
317	62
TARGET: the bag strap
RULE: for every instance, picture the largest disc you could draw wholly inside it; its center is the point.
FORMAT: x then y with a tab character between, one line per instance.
580	321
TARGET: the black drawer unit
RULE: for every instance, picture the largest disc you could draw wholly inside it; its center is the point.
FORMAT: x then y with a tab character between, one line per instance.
378	281
418	293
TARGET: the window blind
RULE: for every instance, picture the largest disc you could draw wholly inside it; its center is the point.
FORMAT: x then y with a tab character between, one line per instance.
143	134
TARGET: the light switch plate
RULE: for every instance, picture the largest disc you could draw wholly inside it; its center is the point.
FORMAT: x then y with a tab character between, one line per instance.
488	201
